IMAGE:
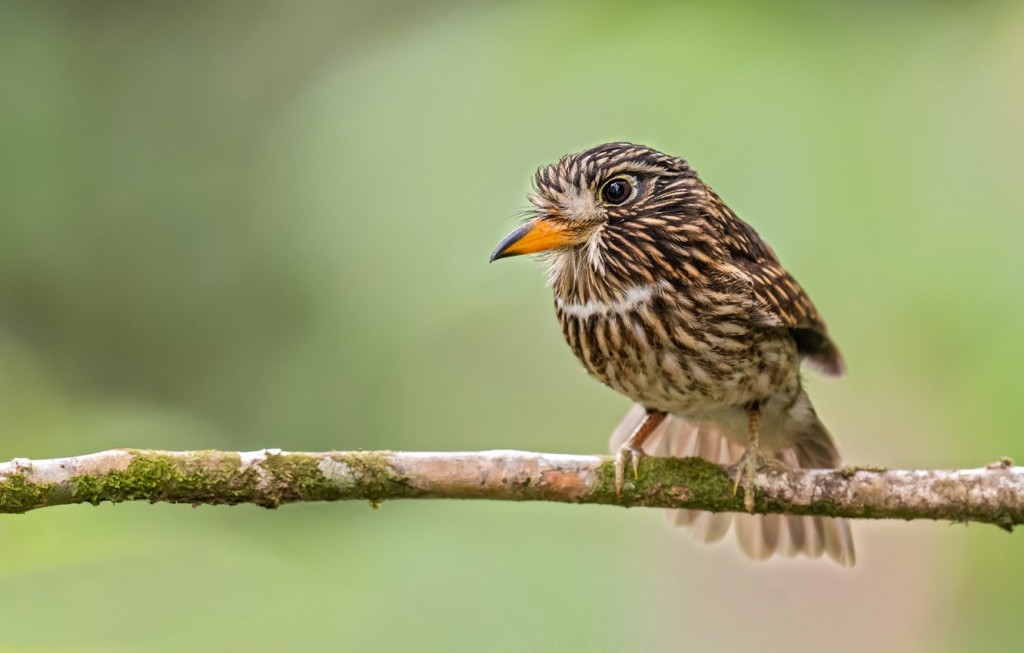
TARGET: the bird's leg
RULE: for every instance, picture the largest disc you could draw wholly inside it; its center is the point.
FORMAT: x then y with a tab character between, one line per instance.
746	469
632	451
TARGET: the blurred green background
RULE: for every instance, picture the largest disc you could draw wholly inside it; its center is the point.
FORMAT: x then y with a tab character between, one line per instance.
249	224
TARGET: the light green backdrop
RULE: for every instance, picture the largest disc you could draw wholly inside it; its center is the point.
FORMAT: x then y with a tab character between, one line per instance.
244	225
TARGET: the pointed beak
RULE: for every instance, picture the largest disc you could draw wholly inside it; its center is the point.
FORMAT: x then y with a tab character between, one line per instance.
534	236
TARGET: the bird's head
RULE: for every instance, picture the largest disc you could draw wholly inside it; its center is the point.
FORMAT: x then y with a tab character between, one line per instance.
601	206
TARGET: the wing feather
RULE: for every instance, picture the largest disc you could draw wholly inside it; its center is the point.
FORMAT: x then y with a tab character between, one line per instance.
777	299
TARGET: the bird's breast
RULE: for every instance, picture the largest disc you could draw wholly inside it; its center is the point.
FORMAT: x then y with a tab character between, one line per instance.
681	352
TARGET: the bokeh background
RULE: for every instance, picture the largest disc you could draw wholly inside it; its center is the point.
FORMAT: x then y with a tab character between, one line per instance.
240	225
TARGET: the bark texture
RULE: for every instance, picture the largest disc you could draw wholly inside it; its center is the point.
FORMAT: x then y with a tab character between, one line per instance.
993	494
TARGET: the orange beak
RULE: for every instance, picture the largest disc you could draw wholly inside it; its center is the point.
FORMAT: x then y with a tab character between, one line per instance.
534	236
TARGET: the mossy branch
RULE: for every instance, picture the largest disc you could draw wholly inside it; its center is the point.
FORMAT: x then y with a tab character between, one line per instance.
269	478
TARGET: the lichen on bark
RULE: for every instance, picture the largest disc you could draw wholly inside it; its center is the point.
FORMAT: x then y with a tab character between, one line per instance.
270	478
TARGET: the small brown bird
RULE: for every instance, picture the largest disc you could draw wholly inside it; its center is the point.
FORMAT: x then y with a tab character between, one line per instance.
666	296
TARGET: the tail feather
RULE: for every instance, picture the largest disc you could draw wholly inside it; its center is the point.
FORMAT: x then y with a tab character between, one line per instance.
705	526
759	536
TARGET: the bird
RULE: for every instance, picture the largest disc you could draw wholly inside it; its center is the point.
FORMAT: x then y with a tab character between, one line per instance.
665	295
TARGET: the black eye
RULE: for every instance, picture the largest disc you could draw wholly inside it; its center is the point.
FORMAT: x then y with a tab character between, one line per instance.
616	191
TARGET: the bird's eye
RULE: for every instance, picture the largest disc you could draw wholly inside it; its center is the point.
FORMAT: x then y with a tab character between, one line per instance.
616	191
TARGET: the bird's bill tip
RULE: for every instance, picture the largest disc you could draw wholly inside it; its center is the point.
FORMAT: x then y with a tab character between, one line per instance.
533	236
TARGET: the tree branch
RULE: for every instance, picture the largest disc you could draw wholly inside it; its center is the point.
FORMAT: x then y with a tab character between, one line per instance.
993	494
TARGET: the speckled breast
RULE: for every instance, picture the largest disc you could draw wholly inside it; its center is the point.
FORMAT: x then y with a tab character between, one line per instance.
679	356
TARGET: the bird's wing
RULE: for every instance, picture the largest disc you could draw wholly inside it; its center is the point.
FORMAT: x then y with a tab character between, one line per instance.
778	300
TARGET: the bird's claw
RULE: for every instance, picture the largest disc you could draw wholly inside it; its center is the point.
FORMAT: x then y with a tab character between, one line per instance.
626	455
746	475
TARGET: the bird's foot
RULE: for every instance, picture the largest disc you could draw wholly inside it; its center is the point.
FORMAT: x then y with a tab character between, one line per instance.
631	451
627	455
746	475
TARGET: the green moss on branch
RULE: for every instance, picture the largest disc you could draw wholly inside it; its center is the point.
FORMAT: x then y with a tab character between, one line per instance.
272	478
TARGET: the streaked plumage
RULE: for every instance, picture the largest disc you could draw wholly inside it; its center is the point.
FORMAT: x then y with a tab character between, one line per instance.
669	298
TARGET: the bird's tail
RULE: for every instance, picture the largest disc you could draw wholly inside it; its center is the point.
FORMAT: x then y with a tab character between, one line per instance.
759	536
